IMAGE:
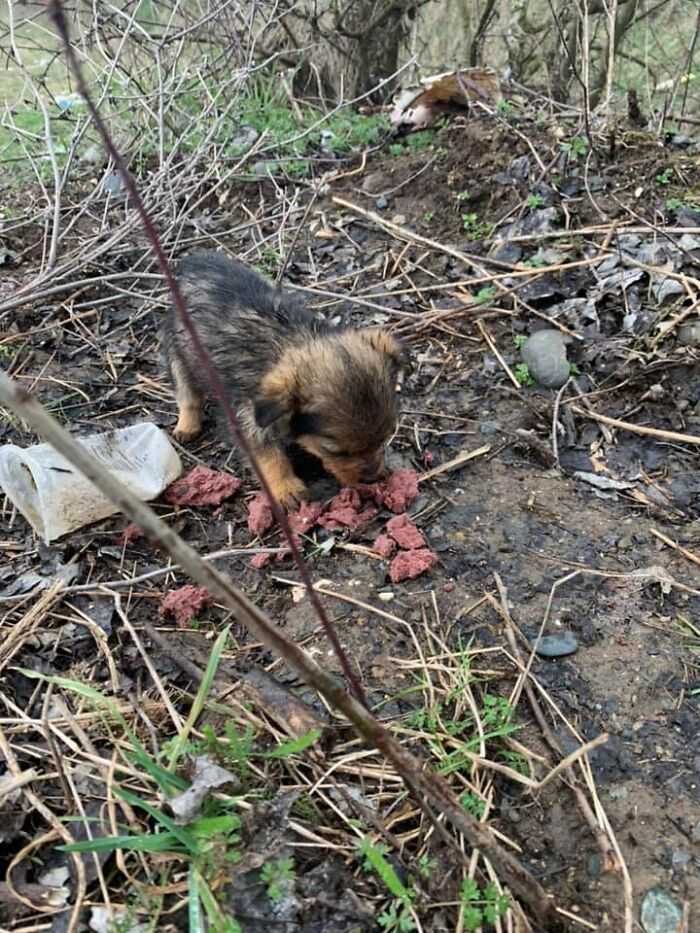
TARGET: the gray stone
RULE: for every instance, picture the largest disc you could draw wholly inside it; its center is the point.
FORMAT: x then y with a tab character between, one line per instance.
381	203
557	646
659	913
545	356
689	334
113	185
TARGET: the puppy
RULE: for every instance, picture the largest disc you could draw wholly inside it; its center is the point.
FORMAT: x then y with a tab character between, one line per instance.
292	378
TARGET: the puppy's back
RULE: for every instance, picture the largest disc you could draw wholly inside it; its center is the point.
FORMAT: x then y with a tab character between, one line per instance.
216	285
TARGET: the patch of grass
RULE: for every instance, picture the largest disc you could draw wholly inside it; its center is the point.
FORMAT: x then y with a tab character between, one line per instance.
534	201
664	178
476	229
481	905
485	294
277	875
575	148
415	142
522	373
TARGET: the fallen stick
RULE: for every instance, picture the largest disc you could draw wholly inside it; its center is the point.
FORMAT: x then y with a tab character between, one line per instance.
638	428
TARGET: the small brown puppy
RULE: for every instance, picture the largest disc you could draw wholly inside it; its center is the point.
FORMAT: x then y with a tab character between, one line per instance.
292	378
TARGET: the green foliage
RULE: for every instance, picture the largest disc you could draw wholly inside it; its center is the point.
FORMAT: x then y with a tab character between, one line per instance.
428	216
485	294
475	229
277	876
534	201
575	147
505	107
664	178
522	373
520	340
481	906
463	195
473	804
397	918
415	142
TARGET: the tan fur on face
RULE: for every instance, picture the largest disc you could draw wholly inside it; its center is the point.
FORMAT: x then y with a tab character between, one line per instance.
346	386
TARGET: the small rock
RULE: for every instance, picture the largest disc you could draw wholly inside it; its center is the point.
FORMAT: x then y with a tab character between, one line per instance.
689	334
545	355
557	646
386	596
399	220
489	427
680	858
507	252
244	137
695	834
687	217
659	913
113	185
264	169
665	287
594	866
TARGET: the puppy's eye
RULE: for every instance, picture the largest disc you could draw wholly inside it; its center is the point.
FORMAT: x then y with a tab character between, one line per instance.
334	450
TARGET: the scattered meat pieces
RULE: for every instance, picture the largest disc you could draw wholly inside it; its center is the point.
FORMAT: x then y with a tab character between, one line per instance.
400	490
259	515
131	533
260	560
202	486
384	546
185	603
305	517
345	511
428	458
409	564
405	533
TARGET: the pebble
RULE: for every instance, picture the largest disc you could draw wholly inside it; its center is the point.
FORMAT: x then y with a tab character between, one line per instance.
381	203
113	185
386	596
659	913
545	355
244	137
489	427
557	646
695	834
689	334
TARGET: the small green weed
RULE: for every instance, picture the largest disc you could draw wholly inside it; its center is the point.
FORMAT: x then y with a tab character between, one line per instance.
463	195
277	876
413	143
481	905
575	147
522	373
535	262
475	228
534	201
505	107
428	216
473	804
664	178
485	294
520	340
574	370
397	918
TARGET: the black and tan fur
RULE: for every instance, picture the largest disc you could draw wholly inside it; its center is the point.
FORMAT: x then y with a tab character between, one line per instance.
292	378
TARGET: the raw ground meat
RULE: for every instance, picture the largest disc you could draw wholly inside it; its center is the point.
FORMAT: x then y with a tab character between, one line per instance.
259	515
409	564
202	486
400	490
384	546
405	533
185	603
260	560
131	533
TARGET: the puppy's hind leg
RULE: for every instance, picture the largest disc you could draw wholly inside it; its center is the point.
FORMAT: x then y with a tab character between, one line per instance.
190	402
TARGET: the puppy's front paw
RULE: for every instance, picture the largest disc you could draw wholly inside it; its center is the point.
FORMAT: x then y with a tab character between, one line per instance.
187	428
289	491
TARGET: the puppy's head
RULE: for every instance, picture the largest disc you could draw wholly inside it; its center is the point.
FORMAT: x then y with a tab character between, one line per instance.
336	397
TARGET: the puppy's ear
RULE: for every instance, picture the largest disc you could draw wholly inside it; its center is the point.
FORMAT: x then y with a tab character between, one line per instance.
276	401
383	342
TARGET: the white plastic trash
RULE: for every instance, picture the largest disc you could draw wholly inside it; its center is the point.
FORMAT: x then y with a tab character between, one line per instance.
56	498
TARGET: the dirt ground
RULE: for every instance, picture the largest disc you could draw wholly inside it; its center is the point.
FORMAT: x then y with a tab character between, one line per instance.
624	556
